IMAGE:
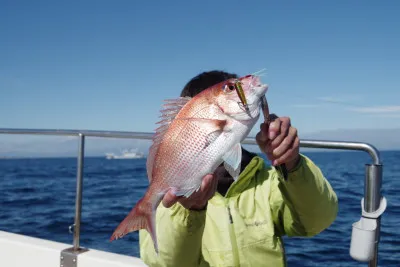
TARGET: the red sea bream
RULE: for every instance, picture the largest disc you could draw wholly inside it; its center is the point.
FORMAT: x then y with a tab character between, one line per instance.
195	136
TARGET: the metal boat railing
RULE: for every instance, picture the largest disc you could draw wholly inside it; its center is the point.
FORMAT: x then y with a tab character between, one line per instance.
365	235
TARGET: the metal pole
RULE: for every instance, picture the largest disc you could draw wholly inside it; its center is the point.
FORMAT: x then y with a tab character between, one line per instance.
78	198
374	261
372	189
370	149
372	200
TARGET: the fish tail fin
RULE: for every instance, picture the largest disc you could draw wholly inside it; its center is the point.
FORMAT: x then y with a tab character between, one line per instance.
142	216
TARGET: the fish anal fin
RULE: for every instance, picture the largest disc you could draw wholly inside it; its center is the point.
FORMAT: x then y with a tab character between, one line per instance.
232	161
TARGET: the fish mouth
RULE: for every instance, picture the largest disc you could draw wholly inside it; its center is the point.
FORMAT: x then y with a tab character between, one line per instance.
256	81
263	89
256	86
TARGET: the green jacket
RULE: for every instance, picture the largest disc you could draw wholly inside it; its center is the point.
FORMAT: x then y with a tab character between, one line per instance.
245	227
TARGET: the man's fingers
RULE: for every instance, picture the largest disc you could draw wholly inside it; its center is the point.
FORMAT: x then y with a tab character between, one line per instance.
205	192
206	184
284	131
279	140
212	189
199	199
270	156
262	135
274	129
285	144
208	188
268	131
289	154
262	141
169	199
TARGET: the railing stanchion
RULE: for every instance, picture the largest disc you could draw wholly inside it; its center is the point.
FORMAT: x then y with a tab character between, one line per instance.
78	199
372	201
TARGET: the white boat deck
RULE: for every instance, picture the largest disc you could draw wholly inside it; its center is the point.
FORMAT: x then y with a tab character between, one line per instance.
20	250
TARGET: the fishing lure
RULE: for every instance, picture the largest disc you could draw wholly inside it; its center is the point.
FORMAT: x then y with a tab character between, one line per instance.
239	90
237	85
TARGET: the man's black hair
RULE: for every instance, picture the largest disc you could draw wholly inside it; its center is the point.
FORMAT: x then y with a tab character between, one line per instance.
205	80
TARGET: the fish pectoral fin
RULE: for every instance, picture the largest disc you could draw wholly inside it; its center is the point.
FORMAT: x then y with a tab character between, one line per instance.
234	156
232	160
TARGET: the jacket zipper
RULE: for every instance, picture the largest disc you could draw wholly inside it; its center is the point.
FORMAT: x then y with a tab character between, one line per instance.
233	239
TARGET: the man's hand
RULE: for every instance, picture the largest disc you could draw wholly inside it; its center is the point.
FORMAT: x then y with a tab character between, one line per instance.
198	200
279	142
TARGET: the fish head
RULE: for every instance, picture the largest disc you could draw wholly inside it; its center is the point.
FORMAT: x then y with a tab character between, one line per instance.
241	103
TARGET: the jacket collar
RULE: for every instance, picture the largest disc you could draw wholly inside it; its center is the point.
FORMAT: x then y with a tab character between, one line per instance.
245	177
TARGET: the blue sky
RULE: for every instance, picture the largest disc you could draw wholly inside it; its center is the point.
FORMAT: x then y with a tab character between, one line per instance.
107	65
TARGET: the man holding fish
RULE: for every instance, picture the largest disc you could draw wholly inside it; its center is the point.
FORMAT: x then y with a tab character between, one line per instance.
221	204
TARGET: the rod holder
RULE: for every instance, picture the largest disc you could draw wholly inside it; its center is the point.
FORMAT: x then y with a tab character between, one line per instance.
366	231
365	234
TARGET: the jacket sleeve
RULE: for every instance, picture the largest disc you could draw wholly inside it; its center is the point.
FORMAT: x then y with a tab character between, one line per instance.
305	204
179	235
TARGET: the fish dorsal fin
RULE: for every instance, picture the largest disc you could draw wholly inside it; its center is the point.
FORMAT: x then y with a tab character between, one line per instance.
168	113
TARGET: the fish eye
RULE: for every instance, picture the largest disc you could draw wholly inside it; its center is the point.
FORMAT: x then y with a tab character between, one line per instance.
229	87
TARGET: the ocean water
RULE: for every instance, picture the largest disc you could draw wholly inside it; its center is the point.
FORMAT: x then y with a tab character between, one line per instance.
37	199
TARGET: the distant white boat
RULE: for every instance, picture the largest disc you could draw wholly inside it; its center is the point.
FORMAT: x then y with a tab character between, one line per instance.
126	154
